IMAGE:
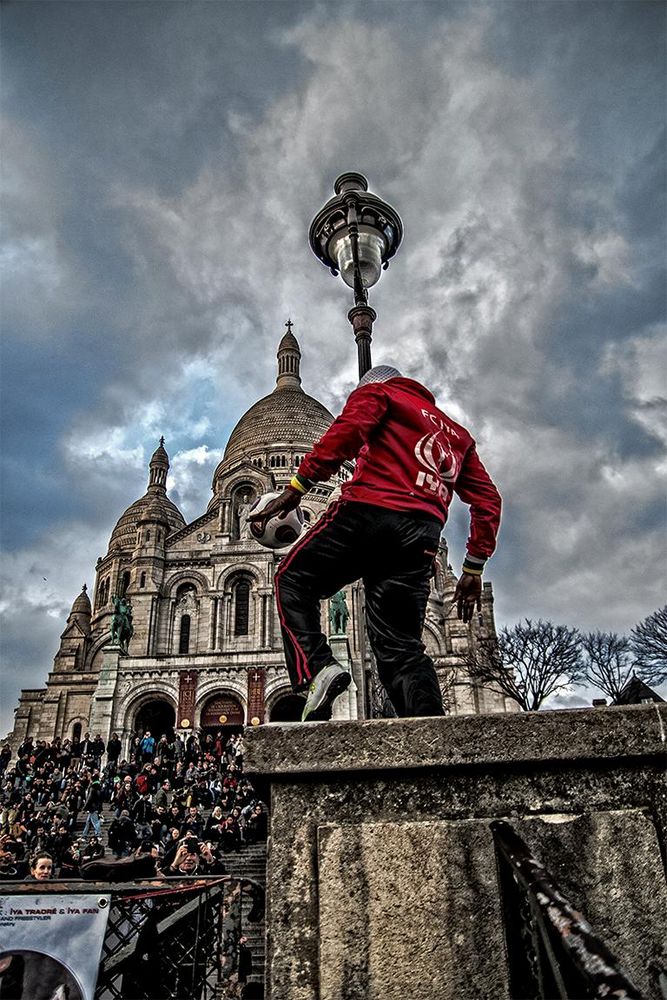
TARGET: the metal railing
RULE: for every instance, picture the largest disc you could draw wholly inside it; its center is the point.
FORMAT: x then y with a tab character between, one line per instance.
170	939
553	952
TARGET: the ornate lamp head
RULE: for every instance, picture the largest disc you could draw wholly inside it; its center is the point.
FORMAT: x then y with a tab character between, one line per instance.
356	234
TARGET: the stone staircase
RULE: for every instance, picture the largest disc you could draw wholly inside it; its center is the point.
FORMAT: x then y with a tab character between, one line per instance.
250	862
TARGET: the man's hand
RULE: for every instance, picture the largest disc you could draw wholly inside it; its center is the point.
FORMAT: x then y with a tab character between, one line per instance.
206	852
468	595
288	500
181	855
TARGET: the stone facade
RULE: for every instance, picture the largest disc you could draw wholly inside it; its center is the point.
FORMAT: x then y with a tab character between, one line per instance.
206	649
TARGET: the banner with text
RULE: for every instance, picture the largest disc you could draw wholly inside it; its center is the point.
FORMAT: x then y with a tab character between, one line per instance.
50	946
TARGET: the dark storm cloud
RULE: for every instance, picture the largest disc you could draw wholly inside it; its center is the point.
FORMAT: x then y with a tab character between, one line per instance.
143	90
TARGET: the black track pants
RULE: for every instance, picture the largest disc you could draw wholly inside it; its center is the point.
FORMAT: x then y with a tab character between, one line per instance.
393	553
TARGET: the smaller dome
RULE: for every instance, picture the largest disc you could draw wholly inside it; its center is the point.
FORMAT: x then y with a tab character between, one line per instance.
155	510
160	456
289	343
124	535
81	613
154	505
82	604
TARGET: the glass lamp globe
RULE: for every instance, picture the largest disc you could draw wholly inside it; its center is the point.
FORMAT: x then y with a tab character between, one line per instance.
371	247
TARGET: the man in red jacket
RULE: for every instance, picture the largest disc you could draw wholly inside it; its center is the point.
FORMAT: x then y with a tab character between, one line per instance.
410	458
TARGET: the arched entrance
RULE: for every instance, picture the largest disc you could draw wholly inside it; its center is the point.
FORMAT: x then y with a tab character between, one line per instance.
289	708
157	717
222	712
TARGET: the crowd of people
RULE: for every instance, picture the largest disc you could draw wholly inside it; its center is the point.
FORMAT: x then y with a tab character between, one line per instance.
182	802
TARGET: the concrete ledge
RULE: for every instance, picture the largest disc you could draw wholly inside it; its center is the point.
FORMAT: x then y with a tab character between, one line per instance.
392	744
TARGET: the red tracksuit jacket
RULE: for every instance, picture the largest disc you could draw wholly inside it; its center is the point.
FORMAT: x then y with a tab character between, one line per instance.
410	457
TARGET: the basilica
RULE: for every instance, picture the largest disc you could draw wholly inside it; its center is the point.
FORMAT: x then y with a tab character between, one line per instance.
205	652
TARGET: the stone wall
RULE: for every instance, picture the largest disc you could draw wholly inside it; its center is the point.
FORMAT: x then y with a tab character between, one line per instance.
382	872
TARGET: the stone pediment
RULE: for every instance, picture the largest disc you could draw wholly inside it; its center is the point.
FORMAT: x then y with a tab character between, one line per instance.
198	534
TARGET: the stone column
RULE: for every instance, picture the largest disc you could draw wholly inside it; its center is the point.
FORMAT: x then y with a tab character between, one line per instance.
265	595
345	707
213	624
102	706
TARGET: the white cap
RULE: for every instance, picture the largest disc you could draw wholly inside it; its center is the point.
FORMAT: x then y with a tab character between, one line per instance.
381	373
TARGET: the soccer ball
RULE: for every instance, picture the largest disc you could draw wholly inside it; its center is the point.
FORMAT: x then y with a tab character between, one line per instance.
279	531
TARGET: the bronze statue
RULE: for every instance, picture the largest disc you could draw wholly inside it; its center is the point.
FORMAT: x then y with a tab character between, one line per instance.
122	629
338	613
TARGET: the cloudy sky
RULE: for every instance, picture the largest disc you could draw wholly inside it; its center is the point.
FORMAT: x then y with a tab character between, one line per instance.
161	164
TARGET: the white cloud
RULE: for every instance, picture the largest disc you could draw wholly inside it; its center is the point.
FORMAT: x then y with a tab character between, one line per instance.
642	365
190	478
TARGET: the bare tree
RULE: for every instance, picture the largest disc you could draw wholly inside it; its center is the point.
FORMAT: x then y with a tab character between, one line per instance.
529	661
608	662
649	644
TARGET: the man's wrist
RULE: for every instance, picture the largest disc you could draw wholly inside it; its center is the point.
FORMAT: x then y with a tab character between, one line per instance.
474	565
300	483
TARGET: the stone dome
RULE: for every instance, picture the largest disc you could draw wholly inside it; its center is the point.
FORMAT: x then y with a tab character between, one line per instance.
81	605
124	535
154	505
286	416
160	456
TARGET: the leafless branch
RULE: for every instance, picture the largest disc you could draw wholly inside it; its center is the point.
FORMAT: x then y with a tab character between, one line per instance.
529	662
649	644
608	662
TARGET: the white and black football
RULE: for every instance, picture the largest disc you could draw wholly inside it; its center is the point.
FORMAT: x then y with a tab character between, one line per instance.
279	531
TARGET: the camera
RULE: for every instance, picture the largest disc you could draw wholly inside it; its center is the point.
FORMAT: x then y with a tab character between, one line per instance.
192	845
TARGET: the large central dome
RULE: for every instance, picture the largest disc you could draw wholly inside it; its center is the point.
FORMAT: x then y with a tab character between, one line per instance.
286	418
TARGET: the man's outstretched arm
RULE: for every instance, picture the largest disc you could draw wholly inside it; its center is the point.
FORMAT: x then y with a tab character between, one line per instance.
476	488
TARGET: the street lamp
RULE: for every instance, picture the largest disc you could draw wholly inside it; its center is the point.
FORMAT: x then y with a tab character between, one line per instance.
355	235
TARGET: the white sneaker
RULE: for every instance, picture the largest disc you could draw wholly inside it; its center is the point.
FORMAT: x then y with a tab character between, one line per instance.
324	688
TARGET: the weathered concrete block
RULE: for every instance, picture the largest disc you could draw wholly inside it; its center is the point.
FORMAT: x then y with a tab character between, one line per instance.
394	744
381	863
405	912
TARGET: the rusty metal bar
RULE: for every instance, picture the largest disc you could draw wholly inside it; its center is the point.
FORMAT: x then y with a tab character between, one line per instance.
553	951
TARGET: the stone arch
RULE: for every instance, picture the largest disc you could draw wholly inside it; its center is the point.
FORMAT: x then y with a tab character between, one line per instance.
222	707
96	648
138	698
285	704
158	715
76	727
242	495
221	682
244	568
181	595
225	601
277	684
171	585
432	640
244	475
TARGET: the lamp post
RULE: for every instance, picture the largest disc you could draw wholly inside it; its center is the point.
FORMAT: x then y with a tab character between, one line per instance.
355	235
